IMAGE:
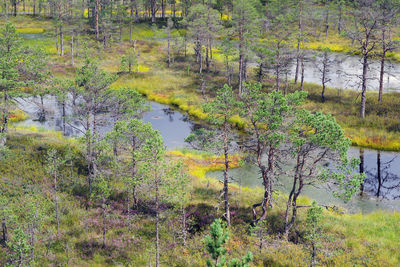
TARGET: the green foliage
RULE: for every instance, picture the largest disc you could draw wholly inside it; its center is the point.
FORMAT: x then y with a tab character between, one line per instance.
317	130
215	244
126	103
129	61
60	88
314	232
20	247
220	110
243	262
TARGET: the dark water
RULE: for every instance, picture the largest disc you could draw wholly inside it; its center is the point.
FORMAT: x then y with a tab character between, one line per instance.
381	188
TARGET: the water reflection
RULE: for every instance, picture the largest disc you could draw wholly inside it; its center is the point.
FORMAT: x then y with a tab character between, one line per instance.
383	177
173	125
381	188
345	70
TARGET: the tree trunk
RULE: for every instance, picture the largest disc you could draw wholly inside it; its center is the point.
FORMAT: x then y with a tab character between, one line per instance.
97	18
63	116
299	42
382	71
324	72
32	242
340	19
327	20
153	10
169	50
162	9
157	223
103	205
201	59
302	70
184	233
267	176
4	231
61	40
56	197
241	58
226	175
207	58
364	85
294	194
277	67
72	51
362	169
131	24
6	115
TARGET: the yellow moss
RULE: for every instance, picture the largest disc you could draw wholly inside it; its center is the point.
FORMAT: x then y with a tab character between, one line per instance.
30	30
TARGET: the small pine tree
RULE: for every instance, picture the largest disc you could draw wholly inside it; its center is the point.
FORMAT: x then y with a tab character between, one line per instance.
215	242
129	61
314	234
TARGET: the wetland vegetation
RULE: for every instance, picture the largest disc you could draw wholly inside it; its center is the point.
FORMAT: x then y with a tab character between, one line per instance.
199	133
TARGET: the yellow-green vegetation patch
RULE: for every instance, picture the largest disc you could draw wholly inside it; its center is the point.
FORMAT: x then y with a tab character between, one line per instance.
18	115
30	30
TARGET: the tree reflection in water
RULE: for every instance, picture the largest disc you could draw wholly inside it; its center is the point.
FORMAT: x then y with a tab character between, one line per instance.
382	181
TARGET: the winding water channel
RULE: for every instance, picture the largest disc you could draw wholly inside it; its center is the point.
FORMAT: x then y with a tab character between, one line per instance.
381	188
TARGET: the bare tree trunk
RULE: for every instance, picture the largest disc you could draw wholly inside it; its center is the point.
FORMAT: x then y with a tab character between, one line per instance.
299	42
97	18
6	116
382	71
169	50
131	24
61	40
241	66
72	51
294	194
163	9
207	57
201	59
286	83
302	71
327	20
226	175
63	116
184	233
153	8
364	85
15	7
57	36
157	223
324	72
4	231
103	205
241	59
339	28
277	67
56	198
